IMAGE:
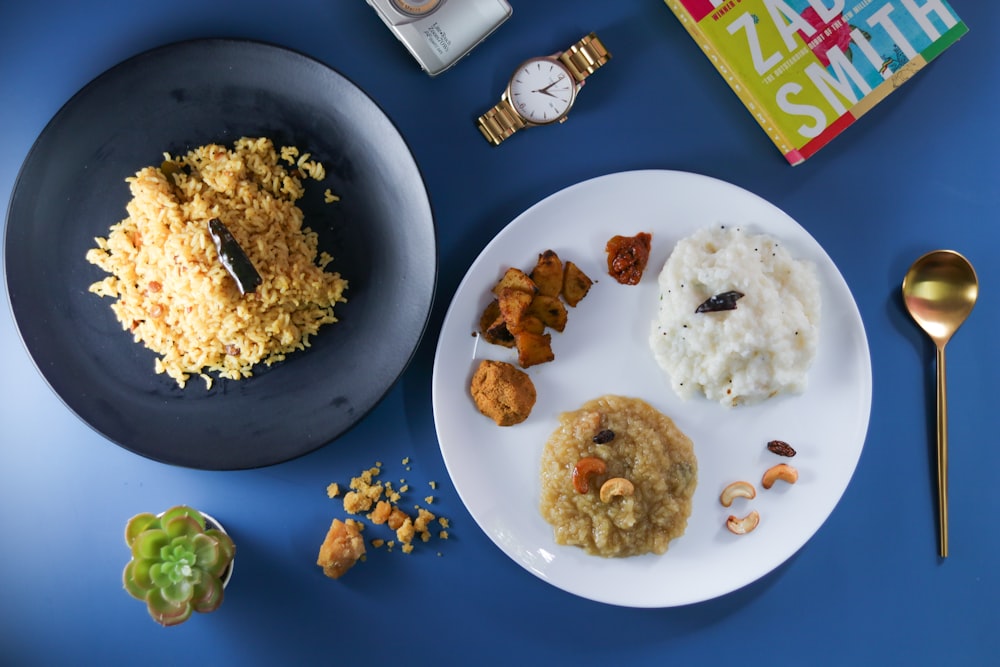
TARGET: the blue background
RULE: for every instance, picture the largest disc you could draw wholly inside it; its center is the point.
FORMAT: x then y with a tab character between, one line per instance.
917	173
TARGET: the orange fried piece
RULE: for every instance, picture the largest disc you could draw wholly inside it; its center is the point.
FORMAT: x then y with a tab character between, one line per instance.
342	548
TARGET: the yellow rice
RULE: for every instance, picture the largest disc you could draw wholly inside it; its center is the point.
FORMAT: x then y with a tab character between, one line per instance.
174	295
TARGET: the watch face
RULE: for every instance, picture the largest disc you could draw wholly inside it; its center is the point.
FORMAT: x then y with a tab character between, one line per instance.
542	90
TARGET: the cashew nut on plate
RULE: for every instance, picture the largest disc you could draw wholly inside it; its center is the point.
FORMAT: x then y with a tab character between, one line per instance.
616	486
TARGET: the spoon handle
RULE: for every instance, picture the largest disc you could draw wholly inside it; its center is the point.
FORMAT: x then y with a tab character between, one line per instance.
942	452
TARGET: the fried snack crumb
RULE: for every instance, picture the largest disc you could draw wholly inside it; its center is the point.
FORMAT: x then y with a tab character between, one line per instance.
406	532
355	503
378	502
502	392
423	520
366	491
342	548
380	514
396	518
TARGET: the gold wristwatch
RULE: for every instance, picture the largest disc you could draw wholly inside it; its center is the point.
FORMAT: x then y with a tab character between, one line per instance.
541	91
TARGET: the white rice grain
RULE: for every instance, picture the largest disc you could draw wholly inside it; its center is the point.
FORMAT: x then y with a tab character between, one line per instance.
764	346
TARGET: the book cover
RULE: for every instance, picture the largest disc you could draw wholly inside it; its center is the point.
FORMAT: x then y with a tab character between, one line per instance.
808	69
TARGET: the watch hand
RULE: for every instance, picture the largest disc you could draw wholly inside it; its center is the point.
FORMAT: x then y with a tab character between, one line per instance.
545	90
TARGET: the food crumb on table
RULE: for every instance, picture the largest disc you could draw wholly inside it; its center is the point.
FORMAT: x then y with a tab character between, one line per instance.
342	548
378	502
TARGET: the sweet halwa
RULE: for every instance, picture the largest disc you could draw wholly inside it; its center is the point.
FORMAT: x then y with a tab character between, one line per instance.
641	474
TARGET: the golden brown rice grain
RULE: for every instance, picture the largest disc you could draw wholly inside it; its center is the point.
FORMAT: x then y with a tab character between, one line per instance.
171	291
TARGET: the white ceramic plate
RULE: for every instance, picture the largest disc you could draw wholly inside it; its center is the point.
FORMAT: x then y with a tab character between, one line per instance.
604	350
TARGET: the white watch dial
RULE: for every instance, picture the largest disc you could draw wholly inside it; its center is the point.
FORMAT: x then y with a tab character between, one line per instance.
542	90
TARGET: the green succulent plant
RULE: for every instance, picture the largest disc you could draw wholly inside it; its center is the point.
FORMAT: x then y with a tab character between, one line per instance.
177	564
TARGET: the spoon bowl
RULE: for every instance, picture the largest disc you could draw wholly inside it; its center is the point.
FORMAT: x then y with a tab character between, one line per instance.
939	291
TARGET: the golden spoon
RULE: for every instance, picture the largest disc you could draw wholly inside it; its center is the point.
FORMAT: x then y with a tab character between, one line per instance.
939	291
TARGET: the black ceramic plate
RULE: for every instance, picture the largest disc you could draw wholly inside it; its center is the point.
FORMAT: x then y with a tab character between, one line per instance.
381	234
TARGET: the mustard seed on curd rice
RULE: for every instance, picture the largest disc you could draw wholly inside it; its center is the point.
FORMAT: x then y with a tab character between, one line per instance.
175	296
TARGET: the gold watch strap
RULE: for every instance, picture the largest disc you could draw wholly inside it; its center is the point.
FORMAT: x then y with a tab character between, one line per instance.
582	59
500	122
585	57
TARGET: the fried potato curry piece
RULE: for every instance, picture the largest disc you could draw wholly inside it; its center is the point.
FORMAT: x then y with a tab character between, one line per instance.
548	274
526	304
576	284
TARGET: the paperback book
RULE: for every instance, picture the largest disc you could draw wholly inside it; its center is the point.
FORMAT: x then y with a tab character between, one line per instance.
808	69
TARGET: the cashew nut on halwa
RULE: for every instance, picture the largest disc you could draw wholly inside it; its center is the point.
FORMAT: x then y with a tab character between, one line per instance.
614	487
584	469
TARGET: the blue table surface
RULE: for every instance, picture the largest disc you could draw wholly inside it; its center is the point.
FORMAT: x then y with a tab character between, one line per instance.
917	173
